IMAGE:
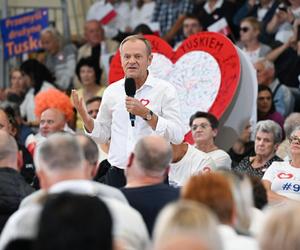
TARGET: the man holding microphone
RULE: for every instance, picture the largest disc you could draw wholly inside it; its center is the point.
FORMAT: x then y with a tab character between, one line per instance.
153	105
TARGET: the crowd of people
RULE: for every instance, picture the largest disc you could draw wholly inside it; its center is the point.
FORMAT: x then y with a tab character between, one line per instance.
85	165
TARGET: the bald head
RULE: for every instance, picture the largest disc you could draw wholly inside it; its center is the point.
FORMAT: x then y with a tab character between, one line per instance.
8	150
52	121
153	154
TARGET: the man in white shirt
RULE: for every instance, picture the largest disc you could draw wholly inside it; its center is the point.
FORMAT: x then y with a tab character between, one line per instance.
155	105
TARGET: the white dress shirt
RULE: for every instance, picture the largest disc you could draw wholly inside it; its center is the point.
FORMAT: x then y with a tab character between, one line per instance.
113	122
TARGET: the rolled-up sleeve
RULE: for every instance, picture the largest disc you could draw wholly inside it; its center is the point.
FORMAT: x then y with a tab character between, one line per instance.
169	124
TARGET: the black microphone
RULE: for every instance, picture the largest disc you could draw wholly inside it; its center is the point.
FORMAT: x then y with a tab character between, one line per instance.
130	90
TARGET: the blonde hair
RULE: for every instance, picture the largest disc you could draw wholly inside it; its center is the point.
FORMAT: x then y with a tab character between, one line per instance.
187	218
281	230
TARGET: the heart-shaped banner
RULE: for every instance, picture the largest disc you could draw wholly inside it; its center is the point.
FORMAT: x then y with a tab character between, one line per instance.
205	70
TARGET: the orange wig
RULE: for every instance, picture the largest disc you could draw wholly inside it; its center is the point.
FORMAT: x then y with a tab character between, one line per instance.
53	98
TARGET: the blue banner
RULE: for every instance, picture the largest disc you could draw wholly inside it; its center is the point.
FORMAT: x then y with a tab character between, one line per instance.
21	34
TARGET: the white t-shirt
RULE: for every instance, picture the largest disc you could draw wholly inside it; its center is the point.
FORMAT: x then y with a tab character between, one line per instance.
192	163
285	179
221	158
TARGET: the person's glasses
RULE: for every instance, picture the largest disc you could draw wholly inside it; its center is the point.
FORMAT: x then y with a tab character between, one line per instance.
244	29
202	125
294	139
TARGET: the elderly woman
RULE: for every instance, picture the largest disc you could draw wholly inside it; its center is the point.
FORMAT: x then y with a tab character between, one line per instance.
268	135
282	179
60	58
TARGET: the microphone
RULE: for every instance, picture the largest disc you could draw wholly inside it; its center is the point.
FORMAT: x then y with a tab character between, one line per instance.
130	90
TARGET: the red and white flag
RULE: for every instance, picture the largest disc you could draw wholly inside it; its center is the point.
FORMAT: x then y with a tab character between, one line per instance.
220	26
104	12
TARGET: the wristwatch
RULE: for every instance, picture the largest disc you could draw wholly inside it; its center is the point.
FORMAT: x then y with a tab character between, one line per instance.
149	116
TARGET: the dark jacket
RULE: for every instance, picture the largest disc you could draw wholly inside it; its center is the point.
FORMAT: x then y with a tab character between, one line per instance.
13	188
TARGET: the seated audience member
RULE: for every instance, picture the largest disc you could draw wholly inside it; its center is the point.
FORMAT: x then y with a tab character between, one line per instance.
13	187
98	47
142	29
265	106
74	221
268	135
118	26
188	161
191	26
145	173
39	78
60	168
242	147
282	96
89	76
92	107
280	230
60	58
249	43
214	191
17	89
9	123
186	225
281	179
290	123
204	128
54	110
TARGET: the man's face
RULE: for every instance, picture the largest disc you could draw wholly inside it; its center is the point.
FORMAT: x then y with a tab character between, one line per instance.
191	26
52	120
202	131
93	109
264	76
49	43
135	59
264	101
93	32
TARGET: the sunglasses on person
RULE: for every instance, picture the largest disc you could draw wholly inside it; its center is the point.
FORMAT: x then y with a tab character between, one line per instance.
294	139
244	29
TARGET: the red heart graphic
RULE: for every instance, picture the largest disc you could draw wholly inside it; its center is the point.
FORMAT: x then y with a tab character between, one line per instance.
193	77
145	102
285	176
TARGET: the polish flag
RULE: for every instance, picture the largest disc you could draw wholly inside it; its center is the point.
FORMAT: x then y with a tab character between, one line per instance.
103	12
220	26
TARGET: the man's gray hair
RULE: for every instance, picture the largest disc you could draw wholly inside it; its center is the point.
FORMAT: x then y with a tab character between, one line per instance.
290	123
153	157
61	151
269	126
90	148
266	63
